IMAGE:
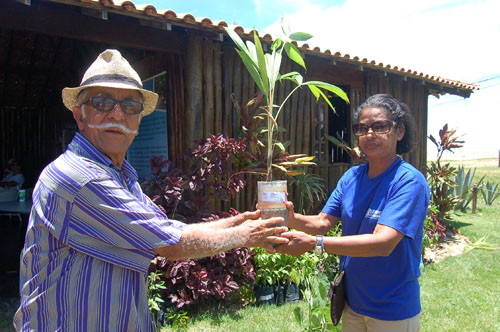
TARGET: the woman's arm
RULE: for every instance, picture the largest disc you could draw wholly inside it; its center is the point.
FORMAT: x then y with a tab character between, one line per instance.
313	224
380	243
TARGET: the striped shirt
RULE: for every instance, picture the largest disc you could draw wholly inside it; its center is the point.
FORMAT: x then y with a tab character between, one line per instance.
91	236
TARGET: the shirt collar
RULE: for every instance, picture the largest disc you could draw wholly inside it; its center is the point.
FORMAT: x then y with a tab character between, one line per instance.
81	146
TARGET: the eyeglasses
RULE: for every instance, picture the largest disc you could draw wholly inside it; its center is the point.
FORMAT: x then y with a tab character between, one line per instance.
379	127
106	104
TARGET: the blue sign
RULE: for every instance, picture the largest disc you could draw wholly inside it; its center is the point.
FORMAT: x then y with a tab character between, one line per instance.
152	139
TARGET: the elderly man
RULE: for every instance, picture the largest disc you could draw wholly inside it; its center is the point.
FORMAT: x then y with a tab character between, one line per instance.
92	232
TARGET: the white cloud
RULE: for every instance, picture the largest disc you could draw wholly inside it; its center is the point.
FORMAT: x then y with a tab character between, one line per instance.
454	39
446	38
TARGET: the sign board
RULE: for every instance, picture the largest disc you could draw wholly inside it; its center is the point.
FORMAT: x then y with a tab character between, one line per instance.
152	139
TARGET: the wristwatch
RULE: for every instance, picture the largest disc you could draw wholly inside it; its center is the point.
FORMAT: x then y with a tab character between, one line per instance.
320	248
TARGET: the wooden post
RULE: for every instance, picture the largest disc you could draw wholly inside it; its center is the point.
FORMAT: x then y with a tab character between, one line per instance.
474	199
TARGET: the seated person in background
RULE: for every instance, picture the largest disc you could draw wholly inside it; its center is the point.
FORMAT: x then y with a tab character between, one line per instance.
13	178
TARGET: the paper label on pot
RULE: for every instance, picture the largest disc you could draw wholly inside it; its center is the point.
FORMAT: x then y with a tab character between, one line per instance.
275	197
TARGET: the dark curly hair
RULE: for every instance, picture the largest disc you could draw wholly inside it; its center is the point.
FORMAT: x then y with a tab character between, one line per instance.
398	112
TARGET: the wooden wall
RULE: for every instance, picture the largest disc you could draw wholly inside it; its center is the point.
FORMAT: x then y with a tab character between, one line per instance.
215	77
413	93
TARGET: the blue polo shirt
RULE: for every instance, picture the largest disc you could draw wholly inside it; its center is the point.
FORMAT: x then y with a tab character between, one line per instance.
384	288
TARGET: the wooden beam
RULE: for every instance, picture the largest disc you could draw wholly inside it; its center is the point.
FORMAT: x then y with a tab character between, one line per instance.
68	22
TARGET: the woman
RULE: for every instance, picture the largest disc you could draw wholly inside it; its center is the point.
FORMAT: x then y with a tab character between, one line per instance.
382	205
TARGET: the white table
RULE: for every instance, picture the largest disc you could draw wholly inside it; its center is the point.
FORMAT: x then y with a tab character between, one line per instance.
15	209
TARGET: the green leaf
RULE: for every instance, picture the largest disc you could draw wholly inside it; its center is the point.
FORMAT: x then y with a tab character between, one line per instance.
236	39
251	67
297	313
261	60
276	44
330	87
252	51
314	90
294	54
273	64
293	76
300	36
318	93
301	160
281	146
281	168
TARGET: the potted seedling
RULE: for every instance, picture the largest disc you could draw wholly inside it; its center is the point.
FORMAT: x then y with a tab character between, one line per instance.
264	68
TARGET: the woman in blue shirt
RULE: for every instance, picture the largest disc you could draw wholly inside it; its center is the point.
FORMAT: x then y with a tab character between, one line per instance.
382	205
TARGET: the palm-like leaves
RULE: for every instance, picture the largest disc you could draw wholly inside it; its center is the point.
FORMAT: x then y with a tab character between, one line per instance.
264	69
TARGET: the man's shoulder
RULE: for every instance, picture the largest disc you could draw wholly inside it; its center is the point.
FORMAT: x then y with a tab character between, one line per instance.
67	174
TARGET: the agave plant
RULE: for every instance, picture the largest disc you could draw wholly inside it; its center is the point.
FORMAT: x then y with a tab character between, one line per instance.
463	187
264	68
490	192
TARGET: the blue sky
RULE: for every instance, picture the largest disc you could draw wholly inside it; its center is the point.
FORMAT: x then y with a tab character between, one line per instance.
456	39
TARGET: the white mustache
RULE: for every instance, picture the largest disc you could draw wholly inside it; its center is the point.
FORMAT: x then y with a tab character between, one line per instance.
114	126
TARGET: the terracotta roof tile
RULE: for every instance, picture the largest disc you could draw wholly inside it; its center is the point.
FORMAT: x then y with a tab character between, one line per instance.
128	6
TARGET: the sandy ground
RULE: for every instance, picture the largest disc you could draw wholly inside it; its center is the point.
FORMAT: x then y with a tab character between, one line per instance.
453	245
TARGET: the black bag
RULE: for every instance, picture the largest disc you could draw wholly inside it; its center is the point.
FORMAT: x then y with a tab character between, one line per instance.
337	298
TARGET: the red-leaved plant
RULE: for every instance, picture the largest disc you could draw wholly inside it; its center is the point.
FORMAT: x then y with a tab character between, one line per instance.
215	174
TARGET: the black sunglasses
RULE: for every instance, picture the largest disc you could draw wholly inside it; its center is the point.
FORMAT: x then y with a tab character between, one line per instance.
379	127
106	104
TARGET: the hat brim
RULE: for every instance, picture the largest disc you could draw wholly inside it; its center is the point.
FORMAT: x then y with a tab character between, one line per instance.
149	98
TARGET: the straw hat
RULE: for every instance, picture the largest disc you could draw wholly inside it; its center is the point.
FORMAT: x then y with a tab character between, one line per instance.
111	70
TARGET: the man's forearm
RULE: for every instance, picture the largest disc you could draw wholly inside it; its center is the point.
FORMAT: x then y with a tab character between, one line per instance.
219	224
198	241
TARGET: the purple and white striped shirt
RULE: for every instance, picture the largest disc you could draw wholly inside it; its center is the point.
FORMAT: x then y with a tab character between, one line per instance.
91	236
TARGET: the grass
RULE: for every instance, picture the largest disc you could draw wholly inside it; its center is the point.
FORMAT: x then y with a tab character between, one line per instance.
488	167
462	293
259	319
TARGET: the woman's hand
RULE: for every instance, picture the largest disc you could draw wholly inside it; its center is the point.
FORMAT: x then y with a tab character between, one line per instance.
298	243
291	214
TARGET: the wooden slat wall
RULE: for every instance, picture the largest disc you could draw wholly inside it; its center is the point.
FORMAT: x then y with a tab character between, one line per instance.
414	93
212	90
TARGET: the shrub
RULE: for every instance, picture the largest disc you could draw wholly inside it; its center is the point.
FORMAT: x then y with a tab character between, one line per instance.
192	197
441	177
434	229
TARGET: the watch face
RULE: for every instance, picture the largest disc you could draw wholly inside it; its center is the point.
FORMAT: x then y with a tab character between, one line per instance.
319	245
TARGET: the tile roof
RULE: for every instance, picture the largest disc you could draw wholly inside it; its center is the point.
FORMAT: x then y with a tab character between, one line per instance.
127	7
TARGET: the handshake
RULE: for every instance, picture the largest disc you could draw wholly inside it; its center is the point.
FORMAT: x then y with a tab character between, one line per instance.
273	233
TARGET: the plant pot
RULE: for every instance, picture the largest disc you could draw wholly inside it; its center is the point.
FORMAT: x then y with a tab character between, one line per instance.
279	294
271	199
292	293
264	295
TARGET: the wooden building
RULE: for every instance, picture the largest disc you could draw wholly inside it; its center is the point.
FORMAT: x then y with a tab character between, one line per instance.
46	45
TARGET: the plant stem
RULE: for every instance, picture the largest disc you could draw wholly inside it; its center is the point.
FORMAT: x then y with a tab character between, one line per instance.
284	101
270	130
